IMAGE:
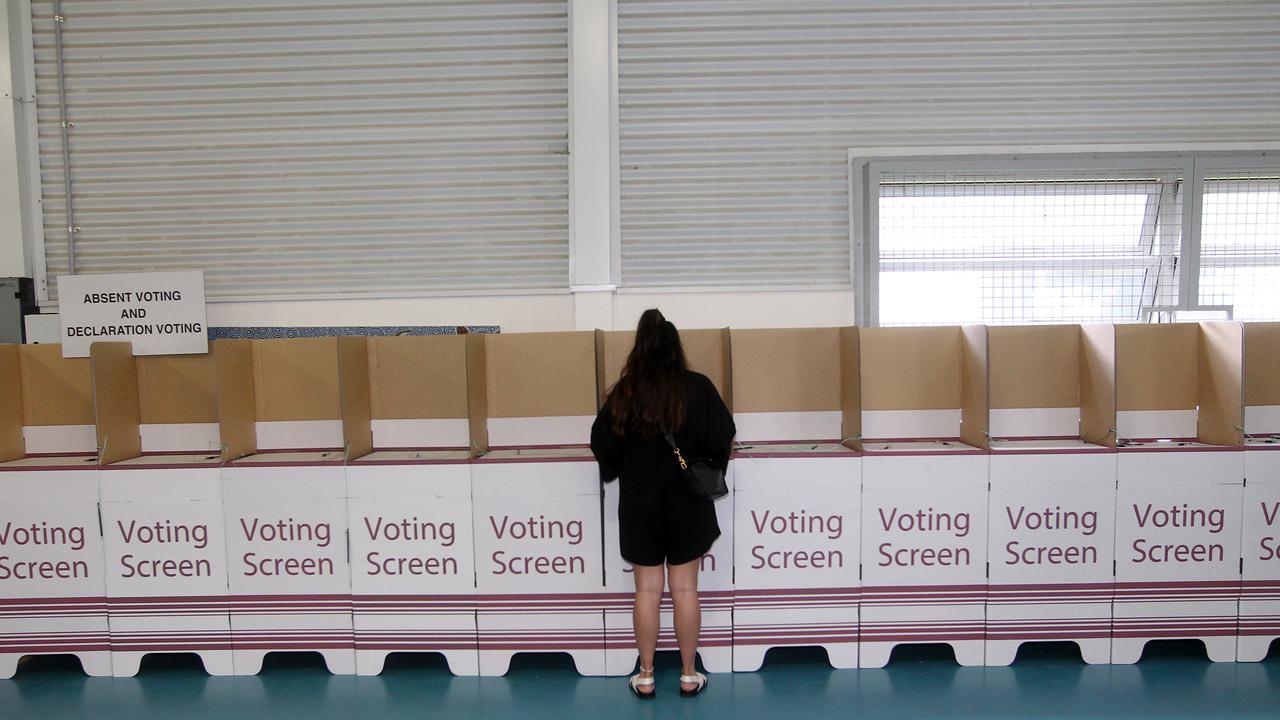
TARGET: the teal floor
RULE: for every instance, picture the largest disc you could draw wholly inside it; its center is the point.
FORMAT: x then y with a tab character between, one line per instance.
1170	682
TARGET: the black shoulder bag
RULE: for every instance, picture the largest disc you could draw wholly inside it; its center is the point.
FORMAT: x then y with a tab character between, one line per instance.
703	477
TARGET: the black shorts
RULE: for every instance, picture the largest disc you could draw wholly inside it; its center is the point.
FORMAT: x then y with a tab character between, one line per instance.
659	522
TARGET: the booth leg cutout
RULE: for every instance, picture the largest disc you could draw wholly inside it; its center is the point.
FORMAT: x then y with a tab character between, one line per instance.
218	663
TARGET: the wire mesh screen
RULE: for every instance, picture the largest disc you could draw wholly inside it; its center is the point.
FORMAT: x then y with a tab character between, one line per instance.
1240	243
1043	246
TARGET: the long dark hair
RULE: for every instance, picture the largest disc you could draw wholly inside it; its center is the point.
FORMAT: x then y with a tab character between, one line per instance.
649	395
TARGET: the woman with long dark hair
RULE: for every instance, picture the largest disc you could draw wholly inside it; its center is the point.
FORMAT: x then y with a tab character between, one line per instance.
660	522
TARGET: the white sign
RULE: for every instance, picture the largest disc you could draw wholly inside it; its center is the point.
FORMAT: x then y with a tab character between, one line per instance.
161	313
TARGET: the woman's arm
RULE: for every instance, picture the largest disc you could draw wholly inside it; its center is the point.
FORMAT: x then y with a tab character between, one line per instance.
720	427
606	446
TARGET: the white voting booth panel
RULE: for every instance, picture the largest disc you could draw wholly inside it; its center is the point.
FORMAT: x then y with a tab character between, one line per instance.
412	558
288	570
715	594
1051	537
166	560
1259	621
539	564
795	546
924	548
52	579
1178	534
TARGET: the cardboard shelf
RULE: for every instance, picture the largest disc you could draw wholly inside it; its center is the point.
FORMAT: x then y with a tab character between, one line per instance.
299	457
168	460
792	449
413	456
541	453
35	462
918	446
1261	378
1048	444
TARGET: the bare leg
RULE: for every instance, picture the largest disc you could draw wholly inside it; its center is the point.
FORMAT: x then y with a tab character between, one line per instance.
644	616
683	580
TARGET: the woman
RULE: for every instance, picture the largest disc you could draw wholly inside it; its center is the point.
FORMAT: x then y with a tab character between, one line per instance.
660	522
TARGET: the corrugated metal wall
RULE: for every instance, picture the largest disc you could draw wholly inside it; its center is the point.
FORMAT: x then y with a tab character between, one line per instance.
311	146
736	116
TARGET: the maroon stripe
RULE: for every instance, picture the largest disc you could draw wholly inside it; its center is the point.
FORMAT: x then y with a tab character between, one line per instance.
1013	587
57	648
1180	584
740	592
1183	448
921	588
73	601
1090	632
867	453
795	640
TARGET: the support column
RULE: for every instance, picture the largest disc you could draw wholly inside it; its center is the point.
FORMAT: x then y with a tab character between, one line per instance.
593	276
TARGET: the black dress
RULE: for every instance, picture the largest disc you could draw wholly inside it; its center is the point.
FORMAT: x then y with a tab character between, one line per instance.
659	521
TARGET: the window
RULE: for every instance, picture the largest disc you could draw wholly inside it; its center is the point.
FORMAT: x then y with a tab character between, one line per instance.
1240	243
1063	240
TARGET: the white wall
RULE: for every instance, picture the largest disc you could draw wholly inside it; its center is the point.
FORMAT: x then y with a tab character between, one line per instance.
1130	117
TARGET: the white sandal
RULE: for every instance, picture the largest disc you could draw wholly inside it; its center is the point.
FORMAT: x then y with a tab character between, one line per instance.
695	679
636	682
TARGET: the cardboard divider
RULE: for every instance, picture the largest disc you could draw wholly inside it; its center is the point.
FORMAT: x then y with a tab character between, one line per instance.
850	389
1221	383
1157	367
477	394
1262	372
117	412
233	367
55	390
1035	366
296	379
975	396
786	370
707	352
1098	384
354	396
910	368
177	389
541	386
1192	368
418	377
12	446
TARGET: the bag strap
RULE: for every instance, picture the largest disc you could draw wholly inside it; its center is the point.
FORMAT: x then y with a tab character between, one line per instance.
680	458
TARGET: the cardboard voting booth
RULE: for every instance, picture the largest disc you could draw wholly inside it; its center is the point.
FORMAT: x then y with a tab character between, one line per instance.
1259	618
924	490
1180	486
162	522
1052	489
708	353
52	575
536	499
409	505
285	496
797	504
